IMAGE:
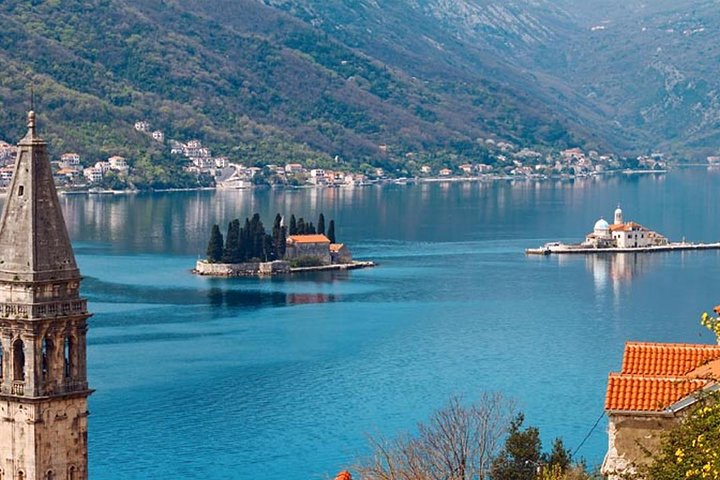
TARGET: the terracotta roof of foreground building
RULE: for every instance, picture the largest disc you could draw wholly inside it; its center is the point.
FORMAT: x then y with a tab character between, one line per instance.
309	239
655	376
666	359
344	475
647	394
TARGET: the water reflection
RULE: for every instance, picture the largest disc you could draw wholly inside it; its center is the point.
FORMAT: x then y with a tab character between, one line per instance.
179	222
617	268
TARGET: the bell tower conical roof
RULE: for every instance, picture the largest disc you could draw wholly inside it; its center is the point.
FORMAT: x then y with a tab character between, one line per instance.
34	243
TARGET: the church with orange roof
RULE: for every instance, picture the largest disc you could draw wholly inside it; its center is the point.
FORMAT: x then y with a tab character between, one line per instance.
622	234
656	386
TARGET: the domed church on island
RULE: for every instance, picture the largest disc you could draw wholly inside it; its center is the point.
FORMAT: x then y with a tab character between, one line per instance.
622	234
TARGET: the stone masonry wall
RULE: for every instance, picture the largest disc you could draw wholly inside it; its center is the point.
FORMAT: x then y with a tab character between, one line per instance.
203	267
628	438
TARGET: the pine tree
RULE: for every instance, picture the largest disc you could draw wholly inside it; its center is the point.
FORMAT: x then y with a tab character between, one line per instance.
331	231
521	454
215	245
232	243
293	225
321	225
560	457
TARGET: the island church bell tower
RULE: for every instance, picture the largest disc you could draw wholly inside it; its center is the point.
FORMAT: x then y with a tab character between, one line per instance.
43	379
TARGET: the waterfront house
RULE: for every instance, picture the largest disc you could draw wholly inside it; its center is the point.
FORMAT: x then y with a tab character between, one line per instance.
70	160
293	168
6	174
340	253
306	246
93	174
66	174
118	164
657	385
445	172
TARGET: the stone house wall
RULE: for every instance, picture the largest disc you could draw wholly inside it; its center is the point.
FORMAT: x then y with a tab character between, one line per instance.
319	250
342	255
629	436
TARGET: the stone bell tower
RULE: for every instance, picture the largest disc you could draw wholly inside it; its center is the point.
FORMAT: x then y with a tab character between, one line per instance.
43	324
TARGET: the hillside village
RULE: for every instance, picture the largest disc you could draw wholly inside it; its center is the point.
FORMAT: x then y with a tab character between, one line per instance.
505	160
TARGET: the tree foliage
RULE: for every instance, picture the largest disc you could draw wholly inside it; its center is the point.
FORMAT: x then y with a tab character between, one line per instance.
466	443
215	245
331	231
252	243
690	450
321	224
457	443
521	456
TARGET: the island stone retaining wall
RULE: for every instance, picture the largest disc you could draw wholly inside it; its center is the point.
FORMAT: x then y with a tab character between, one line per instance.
202	267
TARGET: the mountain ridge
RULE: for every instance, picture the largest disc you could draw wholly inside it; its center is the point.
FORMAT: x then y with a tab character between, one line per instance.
299	80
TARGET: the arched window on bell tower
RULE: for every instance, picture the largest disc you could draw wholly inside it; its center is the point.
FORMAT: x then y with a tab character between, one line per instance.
72	473
18	360
47	348
68	350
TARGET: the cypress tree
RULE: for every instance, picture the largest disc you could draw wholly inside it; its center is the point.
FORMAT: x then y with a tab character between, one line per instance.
257	236
247	240
267	248
293	225
283	243
311	229
276	234
242	245
215	246
232	243
331	231
301	228
321	225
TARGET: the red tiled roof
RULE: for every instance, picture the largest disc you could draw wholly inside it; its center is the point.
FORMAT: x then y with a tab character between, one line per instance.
308	239
647	394
666	359
336	247
654	376
344	475
627	227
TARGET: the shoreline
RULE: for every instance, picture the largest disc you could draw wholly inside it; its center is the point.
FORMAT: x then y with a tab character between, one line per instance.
490	177
575	250
269	269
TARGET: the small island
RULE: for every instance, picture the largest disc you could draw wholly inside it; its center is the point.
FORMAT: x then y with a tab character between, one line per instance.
299	247
620	237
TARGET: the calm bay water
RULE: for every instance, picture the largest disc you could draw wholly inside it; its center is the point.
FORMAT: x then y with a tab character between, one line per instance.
283	379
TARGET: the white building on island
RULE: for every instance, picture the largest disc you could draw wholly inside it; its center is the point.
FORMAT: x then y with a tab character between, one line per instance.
622	234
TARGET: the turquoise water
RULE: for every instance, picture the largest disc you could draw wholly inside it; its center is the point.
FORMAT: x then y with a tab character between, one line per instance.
283	379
